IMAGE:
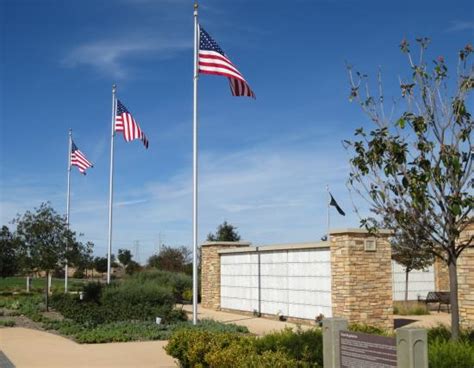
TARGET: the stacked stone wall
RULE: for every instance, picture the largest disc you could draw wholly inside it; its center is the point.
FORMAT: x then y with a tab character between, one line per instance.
441	275
361	279
466	281
211	272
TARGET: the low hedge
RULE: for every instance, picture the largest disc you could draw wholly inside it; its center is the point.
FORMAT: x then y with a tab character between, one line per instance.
178	283
121	302
289	348
201	348
131	330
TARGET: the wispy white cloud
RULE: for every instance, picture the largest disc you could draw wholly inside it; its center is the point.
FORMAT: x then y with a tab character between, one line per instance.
109	56
461	25
273	194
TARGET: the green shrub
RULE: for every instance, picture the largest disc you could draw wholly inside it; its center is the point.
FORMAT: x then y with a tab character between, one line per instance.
7	322
304	346
274	359
410	308
79	274
215	326
176	282
368	329
190	346
443	333
122	332
195	347
440	332
92	292
121	302
446	354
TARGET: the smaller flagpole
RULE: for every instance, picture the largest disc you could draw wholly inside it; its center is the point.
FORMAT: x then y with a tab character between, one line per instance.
111	183
68	202
195	164
329	218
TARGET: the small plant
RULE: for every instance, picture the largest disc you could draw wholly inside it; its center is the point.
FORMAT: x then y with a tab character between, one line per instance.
187	295
449	354
368	329
256	313
7	322
410	308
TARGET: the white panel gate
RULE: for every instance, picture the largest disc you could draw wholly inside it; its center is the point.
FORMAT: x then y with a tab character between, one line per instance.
292	282
420	282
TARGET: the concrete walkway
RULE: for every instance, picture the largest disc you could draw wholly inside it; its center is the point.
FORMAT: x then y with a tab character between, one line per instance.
33	349
262	326
257	326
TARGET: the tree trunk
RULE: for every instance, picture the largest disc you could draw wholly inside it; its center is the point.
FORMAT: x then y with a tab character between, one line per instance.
407	272
47	292
453	290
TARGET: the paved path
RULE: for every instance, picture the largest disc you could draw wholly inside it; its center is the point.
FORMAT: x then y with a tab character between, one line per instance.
258	326
34	349
262	326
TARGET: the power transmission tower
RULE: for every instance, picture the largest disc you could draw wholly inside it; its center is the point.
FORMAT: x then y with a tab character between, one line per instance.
137	251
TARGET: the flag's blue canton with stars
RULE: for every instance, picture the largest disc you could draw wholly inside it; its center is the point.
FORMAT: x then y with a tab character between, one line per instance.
212	60
124	122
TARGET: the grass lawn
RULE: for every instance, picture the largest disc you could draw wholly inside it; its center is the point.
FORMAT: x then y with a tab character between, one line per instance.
38	284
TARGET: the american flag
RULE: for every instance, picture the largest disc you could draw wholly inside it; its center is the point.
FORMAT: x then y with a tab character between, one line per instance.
213	60
79	159
124	122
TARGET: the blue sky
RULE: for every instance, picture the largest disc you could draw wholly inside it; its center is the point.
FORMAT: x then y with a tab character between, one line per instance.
264	164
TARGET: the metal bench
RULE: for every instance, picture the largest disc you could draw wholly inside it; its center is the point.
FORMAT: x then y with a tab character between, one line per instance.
440	297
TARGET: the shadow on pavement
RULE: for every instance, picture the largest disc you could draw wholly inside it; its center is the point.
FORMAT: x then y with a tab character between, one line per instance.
400	322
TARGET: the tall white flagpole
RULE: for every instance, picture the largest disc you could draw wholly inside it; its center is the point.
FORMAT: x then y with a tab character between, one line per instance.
111	182
329	219
195	164
68	201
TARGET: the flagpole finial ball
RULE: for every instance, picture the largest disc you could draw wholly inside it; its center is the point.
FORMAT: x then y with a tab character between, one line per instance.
195	5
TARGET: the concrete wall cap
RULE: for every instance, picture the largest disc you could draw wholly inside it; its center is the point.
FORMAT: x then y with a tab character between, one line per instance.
359	231
226	243
278	247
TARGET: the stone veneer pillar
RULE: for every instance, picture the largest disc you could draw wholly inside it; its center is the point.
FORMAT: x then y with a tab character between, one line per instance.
441	273
466	281
361	277
211	272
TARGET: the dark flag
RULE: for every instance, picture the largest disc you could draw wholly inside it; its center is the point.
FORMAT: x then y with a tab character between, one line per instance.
334	203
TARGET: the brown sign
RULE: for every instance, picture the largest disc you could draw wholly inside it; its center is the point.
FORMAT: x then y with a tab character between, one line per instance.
359	350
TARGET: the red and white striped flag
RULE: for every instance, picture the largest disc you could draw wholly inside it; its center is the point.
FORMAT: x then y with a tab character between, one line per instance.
79	159
124	122
213	60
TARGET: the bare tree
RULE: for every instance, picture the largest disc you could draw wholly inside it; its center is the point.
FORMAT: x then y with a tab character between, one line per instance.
415	166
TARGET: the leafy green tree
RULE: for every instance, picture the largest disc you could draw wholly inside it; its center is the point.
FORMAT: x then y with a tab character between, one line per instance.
9	253
224	232
133	267
84	259
100	264
171	259
415	165
46	241
124	256
411	250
